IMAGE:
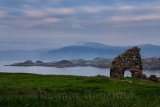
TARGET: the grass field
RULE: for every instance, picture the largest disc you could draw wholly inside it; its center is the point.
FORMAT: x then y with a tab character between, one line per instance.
19	89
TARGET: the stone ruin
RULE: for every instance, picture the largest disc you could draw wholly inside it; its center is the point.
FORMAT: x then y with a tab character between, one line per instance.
130	60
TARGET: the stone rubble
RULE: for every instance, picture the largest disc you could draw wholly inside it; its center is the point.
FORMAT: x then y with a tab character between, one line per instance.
153	78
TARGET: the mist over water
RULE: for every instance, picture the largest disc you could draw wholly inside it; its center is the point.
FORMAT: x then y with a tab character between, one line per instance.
77	71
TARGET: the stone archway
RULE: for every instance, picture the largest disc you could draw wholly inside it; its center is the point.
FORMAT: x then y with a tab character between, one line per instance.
127	73
131	60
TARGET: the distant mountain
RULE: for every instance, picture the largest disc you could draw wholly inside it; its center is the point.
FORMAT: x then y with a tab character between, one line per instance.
85	51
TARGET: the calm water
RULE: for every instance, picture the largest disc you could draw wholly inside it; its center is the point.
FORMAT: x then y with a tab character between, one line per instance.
80	71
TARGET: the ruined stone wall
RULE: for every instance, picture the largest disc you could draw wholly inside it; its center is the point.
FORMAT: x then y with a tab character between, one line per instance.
130	60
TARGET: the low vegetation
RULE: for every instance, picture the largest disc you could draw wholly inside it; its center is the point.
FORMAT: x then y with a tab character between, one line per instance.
19	89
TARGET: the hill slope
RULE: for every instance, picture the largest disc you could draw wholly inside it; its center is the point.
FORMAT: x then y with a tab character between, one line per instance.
86	51
92	50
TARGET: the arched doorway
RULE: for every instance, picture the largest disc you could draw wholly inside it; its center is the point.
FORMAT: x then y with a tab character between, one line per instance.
127	73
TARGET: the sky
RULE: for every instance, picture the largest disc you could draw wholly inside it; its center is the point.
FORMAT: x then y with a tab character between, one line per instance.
50	24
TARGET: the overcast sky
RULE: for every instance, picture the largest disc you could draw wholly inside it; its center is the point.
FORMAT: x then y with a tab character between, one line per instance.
40	24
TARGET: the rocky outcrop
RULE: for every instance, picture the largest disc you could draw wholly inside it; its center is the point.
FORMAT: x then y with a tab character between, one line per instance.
148	63
152	63
130	60
60	64
153	78
26	63
64	63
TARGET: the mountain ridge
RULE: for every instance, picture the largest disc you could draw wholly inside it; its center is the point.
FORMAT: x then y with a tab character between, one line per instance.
88	50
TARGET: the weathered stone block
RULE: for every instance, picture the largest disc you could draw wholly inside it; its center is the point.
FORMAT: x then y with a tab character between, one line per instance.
153	78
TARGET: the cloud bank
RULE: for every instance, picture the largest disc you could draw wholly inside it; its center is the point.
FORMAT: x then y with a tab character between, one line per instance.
111	22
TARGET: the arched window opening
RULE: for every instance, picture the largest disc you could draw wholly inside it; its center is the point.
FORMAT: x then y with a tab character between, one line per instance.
127	73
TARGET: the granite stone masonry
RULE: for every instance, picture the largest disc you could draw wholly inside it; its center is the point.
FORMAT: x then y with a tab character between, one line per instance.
130	60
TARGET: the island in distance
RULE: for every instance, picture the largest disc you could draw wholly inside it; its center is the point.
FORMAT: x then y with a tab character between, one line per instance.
152	63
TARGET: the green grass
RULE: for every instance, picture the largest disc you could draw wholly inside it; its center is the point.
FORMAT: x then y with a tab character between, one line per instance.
19	89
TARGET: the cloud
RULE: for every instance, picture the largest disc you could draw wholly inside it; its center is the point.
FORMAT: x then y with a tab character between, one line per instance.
22	22
67	16
77	26
126	8
50	20
35	13
31	0
60	10
46	12
32	23
121	8
110	9
3	13
82	20
95	10
136	18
